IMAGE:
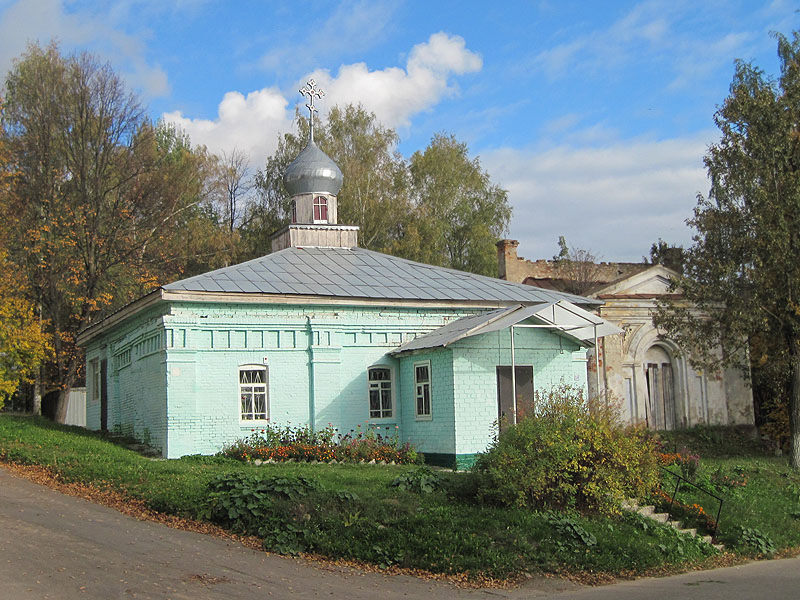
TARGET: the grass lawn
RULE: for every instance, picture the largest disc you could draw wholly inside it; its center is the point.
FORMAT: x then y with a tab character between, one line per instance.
353	511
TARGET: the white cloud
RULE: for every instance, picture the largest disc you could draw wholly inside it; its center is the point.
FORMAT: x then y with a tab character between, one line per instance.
614	200
45	20
250	124
644	27
394	94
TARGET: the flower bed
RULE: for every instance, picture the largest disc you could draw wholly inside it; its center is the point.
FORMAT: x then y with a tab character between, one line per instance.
285	443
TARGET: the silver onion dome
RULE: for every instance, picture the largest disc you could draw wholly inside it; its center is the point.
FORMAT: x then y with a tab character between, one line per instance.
311	172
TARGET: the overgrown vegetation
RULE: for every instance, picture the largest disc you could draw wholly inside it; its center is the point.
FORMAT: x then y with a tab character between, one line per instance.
405	516
761	493
569	453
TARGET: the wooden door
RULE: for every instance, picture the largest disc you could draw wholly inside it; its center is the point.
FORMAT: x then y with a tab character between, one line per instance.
505	400
104	395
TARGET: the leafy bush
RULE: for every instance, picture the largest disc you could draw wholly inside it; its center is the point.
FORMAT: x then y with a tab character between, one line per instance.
259	506
421	481
568	453
568	532
752	539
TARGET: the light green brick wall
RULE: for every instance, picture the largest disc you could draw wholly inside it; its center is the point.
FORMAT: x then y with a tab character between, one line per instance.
173	373
136	379
317	359
475	360
437	434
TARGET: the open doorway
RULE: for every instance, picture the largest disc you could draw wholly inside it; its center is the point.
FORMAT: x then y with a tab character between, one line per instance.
661	408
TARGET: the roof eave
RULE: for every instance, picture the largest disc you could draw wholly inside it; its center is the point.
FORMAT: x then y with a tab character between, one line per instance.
91	331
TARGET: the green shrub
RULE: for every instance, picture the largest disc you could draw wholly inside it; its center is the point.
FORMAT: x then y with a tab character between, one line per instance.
569	452
242	501
754	540
567	532
421	481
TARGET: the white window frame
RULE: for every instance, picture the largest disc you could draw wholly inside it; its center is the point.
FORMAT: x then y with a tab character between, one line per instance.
252	389
320	201
378	385
419	392
94	365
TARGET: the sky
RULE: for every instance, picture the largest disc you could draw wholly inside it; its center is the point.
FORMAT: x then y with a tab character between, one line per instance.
595	116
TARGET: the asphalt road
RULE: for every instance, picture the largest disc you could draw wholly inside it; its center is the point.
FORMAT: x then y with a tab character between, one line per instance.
60	547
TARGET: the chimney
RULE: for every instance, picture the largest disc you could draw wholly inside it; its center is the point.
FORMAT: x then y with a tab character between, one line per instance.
506	257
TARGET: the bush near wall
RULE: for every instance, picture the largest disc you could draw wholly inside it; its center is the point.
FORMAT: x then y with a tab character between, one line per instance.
302	444
568	453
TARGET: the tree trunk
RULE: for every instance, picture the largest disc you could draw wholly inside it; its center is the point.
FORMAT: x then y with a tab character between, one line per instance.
61	405
37	392
37	383
794	406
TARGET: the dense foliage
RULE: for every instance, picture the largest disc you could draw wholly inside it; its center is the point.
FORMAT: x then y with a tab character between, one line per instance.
568	453
741	282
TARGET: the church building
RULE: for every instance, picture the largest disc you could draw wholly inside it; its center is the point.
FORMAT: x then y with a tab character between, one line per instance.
321	332
649	375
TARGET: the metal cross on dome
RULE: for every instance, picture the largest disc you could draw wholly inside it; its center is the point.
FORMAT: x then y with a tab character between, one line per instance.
311	90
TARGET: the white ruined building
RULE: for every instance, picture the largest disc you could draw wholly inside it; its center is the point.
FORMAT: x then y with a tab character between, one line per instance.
646	372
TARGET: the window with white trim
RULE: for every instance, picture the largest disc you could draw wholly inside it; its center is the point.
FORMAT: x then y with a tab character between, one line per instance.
320	209
381	403
94	373
422	386
253	401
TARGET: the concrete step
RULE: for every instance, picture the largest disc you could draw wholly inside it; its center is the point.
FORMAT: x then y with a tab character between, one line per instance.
660	517
649	512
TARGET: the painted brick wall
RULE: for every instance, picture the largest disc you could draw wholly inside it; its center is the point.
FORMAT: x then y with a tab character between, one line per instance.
136	379
475	377
317	358
437	434
173	373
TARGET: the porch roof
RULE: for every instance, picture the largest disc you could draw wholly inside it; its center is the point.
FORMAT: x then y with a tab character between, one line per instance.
564	317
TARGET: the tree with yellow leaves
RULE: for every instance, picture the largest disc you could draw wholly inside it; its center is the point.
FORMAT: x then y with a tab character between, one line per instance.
101	204
23	345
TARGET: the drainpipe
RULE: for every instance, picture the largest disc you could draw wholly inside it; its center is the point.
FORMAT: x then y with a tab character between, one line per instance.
513	379
597	362
311	407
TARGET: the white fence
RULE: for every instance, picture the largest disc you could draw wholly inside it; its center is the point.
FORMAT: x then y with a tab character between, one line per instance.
76	407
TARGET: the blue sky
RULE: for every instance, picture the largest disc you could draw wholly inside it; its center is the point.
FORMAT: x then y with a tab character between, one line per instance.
594	115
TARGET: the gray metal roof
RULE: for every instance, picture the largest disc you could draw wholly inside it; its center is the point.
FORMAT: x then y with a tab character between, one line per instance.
311	172
562	316
360	273
459	329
